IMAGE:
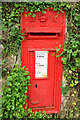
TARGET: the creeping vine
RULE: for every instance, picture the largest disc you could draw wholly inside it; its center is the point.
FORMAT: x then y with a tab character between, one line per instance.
12	37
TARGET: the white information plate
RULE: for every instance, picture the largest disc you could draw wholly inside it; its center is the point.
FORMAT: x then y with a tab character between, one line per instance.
41	63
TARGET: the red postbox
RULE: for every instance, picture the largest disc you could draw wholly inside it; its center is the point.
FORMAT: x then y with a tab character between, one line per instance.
43	35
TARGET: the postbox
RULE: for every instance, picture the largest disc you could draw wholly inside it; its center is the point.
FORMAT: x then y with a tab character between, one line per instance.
44	34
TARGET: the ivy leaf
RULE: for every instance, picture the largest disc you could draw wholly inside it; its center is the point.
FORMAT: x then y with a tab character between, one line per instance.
76	18
34	15
29	14
68	6
43	11
0	37
53	54
31	10
59	46
13	28
22	37
38	9
10	24
58	12
5	60
57	56
16	20
12	14
4	29
4	69
25	15
28	77
12	33
74	103
57	50
56	16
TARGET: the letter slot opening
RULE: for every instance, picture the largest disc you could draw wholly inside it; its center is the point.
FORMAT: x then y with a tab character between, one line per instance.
42	35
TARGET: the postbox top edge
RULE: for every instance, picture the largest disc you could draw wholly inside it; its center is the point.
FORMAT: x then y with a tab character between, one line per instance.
48	8
46	23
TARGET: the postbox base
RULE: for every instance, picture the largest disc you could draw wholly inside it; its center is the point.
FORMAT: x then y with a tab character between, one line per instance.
47	110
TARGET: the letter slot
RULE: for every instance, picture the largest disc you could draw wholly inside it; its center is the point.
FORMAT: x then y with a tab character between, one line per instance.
42	35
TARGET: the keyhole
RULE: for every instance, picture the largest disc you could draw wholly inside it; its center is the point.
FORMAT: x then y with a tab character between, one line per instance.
35	85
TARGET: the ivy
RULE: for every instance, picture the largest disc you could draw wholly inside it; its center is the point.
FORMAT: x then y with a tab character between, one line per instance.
14	97
14	91
12	38
11	21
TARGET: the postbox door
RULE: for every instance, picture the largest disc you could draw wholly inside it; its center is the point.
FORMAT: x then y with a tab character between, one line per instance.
42	72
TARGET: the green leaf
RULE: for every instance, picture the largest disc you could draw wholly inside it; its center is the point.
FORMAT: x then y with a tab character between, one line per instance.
25	15
12	14
56	16
74	103
53	54
13	28
57	50
4	29
10	24
57	56
43	112
43	11
4	69
29	13
28	77
58	12
31	10
5	60
59	46
16	20
34	15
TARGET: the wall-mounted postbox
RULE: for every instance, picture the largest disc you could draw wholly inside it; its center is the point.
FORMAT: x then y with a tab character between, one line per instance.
43	35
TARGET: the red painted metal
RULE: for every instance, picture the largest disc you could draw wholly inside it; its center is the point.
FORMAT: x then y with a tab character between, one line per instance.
45	32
